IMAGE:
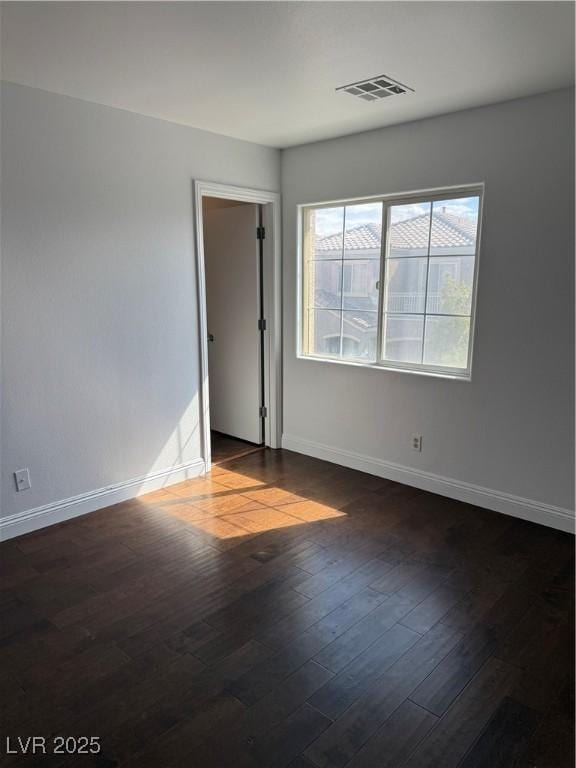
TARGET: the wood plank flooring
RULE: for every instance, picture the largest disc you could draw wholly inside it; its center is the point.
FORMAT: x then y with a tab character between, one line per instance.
284	612
225	448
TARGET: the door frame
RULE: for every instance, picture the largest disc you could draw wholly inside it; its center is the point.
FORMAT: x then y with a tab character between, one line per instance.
272	293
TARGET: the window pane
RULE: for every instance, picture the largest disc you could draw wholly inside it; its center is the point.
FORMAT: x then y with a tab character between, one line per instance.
363	231
324	284
423	318
359	284
324	333
405	285
409	230
359	332
403	338
323	233
450	280
454	224
446	341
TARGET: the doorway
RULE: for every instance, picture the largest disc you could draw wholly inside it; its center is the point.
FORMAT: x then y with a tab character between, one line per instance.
234	312
238	273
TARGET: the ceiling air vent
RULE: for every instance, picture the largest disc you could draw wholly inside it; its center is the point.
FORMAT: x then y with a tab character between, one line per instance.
375	88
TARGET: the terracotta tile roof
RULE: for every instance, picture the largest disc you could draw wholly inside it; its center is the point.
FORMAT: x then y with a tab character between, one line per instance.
448	231
364	237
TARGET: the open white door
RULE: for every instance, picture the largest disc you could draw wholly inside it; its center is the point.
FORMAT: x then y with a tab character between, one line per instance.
231	252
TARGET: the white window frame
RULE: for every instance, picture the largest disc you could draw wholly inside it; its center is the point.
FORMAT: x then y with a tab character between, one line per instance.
430	195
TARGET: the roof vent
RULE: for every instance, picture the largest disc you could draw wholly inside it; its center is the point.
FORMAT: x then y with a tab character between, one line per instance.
376	88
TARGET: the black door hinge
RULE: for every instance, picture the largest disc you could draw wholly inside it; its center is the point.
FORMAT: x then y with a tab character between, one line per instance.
263	411
260	233
261	324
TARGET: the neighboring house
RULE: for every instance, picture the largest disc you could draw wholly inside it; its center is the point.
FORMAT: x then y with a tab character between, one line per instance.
343	285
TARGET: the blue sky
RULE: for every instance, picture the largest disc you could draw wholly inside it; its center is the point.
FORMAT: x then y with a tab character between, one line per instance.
329	221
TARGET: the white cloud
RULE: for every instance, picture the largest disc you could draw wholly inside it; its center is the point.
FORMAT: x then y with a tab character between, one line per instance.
330	221
408	211
464	206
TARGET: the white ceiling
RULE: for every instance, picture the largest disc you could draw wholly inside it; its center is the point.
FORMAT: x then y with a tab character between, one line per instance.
266	71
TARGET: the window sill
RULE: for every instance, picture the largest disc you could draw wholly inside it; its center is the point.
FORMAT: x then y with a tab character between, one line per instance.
435	374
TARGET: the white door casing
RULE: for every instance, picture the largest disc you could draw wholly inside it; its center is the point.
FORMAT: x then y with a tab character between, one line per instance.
271	217
231	254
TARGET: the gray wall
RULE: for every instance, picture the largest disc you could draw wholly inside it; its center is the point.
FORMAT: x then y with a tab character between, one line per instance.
510	429
99	328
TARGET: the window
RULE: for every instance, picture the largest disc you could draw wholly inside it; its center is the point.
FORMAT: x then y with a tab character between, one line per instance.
355	280
390	282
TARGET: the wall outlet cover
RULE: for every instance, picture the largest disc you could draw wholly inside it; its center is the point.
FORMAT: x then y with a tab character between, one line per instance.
22	478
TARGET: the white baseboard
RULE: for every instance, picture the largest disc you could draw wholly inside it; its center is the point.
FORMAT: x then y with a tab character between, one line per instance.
58	511
517	506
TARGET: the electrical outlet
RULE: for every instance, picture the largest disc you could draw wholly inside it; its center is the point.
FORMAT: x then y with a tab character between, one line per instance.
22	478
417	443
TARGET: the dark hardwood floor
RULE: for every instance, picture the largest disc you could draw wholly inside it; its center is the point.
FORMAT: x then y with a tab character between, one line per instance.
224	448
286	612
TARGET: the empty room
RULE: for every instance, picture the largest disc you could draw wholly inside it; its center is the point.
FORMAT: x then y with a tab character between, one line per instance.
287	384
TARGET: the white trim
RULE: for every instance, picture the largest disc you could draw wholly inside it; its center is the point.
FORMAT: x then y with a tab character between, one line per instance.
59	511
380	363
498	501
433	193
272	300
440	374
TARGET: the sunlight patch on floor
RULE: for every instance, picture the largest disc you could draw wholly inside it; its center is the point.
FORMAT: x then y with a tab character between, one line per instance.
231	504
